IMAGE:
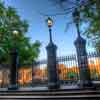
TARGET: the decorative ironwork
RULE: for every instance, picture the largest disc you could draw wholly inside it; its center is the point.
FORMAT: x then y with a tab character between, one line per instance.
36	74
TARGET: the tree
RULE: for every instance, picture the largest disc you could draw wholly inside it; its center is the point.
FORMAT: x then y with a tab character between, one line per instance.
90	14
9	22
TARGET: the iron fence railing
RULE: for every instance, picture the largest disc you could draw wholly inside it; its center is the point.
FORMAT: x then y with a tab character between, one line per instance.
36	74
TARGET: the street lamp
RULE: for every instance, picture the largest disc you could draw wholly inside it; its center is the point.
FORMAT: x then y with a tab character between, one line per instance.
76	20
15	32
51	48
50	24
80	44
14	63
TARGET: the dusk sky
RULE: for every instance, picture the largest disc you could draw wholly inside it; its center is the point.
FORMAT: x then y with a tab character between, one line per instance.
38	30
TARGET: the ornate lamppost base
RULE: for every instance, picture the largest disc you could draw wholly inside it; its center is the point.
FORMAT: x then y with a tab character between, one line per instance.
53	80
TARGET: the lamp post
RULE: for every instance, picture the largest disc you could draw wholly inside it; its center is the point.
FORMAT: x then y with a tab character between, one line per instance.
80	44
76	19
14	64
50	24
51	48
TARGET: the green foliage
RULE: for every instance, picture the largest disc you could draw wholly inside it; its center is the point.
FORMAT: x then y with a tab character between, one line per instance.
72	75
90	13
9	22
98	45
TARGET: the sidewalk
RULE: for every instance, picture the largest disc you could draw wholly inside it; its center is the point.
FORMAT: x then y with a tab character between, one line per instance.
43	88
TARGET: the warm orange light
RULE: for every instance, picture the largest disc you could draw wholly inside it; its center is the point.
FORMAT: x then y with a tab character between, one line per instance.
25	75
40	74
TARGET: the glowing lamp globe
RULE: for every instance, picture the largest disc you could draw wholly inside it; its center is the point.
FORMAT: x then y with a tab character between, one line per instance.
15	32
49	22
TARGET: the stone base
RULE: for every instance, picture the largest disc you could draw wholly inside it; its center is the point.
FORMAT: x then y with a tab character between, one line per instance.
86	85
53	86
12	87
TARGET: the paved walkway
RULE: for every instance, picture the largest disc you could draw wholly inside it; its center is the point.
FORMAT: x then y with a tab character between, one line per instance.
40	88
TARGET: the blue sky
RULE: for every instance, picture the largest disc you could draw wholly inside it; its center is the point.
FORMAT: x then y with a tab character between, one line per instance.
30	10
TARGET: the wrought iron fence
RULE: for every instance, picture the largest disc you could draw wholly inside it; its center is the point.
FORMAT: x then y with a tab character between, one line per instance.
36	74
94	65
39	73
68	69
4	75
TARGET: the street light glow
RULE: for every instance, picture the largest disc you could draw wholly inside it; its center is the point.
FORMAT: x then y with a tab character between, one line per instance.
15	32
49	22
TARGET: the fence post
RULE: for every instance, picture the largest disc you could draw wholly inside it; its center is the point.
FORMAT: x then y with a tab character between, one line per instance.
51	66
34	65
85	80
13	70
